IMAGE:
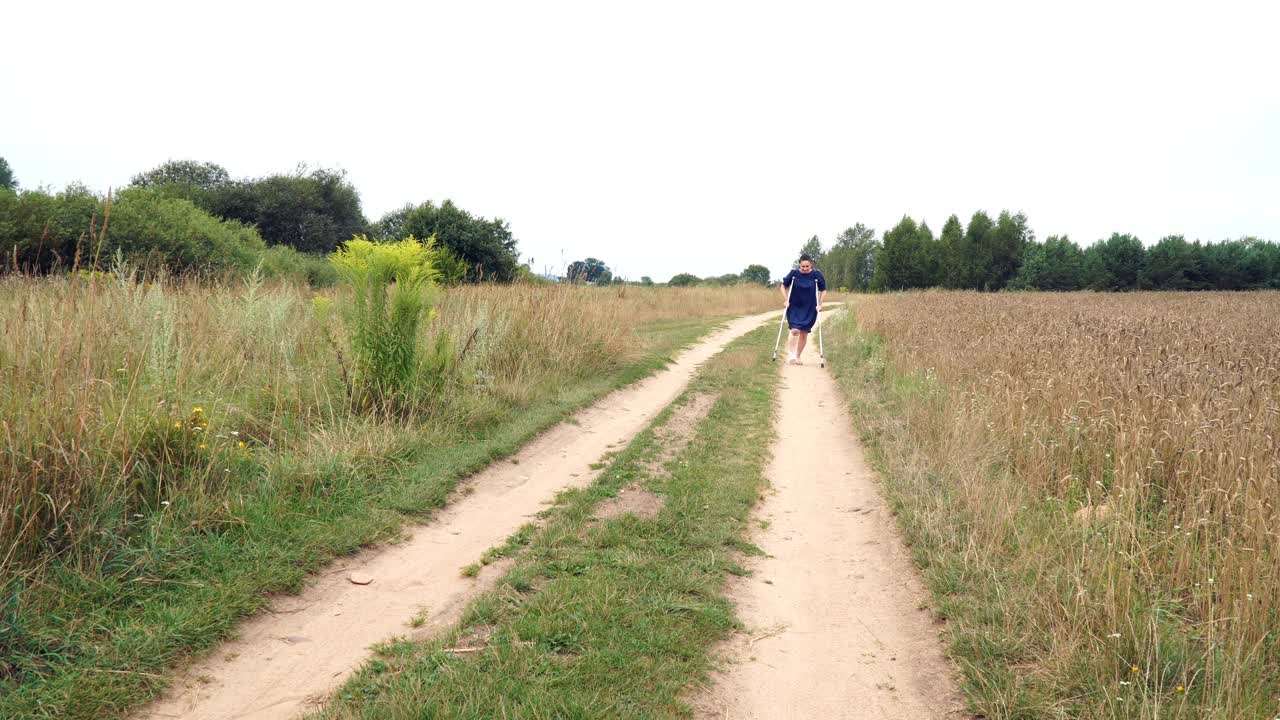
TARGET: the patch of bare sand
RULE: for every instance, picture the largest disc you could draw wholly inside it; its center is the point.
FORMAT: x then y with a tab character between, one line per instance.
631	500
285	660
835	618
672	437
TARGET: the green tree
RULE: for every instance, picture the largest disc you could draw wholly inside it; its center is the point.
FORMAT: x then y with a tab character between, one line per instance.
1006	241
812	248
311	211
970	256
1172	264
1262	263
905	257
1057	264
646	281
851	261
757	274
7	179
589	270
927	258
487	246
951	250
391	225
1115	263
195	181
683	280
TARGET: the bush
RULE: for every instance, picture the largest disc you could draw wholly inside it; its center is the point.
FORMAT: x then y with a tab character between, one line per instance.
391	286
42	232
303	268
157	231
485	246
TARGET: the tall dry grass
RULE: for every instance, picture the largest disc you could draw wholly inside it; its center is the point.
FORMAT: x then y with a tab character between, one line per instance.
118	398
1118	456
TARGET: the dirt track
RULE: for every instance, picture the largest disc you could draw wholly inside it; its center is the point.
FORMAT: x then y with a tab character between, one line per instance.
834	625
285	660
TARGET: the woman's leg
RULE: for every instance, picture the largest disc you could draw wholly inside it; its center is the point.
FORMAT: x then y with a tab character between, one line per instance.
802	336
792	339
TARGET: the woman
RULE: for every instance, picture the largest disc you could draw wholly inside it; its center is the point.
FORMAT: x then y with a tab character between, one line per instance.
808	288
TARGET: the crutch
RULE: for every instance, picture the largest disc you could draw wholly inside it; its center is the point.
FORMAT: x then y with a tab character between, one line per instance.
817	303
783	321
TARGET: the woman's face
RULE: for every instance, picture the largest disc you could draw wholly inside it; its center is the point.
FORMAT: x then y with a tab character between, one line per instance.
806	267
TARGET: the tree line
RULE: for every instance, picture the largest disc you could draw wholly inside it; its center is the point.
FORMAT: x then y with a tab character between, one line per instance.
190	216
596	272
1003	254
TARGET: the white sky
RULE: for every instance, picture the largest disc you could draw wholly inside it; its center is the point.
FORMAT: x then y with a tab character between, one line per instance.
667	137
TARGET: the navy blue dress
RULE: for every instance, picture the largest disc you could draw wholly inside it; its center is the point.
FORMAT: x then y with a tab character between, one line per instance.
802	311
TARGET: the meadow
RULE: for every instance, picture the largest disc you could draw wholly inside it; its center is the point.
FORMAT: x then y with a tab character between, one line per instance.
1089	483
174	449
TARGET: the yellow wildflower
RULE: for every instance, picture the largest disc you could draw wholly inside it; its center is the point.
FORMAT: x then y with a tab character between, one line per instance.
1133	668
1181	689
178	424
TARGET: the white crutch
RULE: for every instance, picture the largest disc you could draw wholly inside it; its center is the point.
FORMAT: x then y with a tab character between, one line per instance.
782	322
817	300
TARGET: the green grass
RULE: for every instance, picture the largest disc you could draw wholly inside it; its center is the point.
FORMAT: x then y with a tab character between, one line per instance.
603	619
94	641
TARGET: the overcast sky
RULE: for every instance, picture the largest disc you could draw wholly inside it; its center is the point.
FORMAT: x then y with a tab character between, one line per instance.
667	137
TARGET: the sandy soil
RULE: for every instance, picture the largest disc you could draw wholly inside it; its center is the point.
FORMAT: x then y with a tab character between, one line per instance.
834	622
288	659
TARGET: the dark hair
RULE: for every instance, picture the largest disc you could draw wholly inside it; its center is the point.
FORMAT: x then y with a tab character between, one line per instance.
805	257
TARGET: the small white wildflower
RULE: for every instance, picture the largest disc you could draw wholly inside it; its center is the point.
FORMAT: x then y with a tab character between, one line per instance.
164	502
235	433
137	515
1210	581
1124	682
1114	635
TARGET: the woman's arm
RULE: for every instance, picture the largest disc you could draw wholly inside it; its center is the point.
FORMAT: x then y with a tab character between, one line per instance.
782	288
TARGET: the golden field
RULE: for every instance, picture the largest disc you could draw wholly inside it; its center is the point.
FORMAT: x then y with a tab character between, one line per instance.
1095	478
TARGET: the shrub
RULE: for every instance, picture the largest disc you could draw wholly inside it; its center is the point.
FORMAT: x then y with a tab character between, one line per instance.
391	285
286	263
158	231
41	231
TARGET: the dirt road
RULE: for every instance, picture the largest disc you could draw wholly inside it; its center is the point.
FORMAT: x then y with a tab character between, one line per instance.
286	660
834	625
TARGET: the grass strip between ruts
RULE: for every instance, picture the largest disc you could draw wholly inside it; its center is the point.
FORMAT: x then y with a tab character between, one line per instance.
113	639
604	618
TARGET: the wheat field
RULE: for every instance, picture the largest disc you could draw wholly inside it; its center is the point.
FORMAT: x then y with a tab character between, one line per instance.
1117	456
